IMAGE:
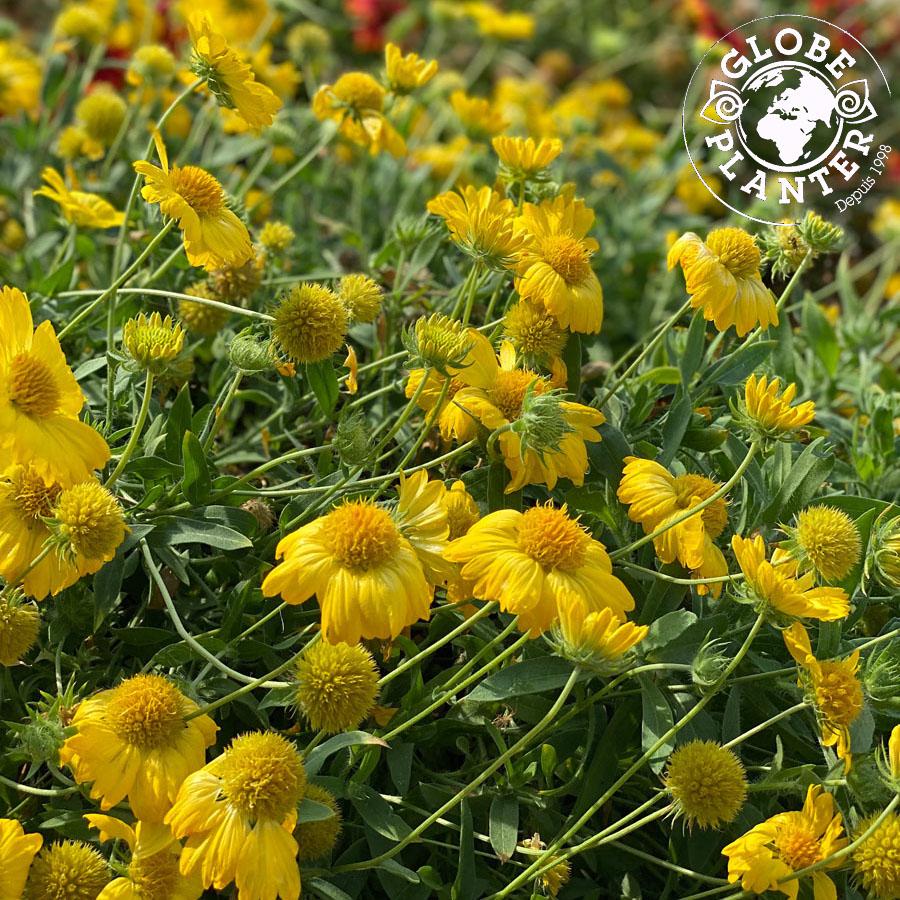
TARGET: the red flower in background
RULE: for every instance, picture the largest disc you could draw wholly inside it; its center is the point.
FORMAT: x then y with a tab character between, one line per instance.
708	23
371	17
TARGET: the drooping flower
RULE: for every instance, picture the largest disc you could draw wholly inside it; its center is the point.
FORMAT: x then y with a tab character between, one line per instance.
318	837
20	79
152	872
826	540
40	399
770	412
79	207
17	850
229	78
786	843
133	742
776	586
834	688
483	224
240	810
707	783
525	158
555	268
213	235
67	870
336	686
19	625
529	562
722	277
364	566
876	861
541	437
407	72
356	102
310	323
654	496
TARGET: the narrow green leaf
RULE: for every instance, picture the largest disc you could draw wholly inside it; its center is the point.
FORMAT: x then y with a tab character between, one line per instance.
503	825
196	484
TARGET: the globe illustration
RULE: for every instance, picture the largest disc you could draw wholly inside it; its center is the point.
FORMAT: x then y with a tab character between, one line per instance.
790	121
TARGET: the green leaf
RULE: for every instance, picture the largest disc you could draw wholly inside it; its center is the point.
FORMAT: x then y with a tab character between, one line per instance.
464	885
677	420
196	484
693	351
323	381
657	720
666	629
734	368
312	811
178	421
803	481
531	676
821	335
503	825
317	757
177	530
325	889
377	813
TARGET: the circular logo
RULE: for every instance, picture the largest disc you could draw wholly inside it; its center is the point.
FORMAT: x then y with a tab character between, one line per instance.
780	117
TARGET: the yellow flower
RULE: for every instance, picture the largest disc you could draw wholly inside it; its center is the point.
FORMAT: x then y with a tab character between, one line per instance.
524	157
776	586
771	411
462	510
276	236
229	78
355	101
20	80
534	332
79	207
364	565
529	562
152	65
310	323
445	159
133	742
336	686
81	22
213	235
894	752
786	843
362	297
595	639
406	73
19	625
555	267
694	194
40	400
17	850
655	496
483	224
479	117
834	688
722	277
505	26
826	540
88	525
240	809
101	114
152	871
74	142
707	783
152	341
67	870
318	837
200	318
876	861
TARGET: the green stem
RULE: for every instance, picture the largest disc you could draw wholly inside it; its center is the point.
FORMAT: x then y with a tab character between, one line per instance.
135	433
218	413
203	301
39	792
764	725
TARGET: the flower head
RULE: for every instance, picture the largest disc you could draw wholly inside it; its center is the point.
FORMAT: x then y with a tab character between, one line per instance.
318	837
17	851
656	497
79	207
336	686
213	235
19	626
770	412
406	73
834	687
786	843
479	117
40	399
102	114
483	224
441	343
89	523
133	742
826	540
722	277
777	588
20	79
201	318
876	861
310	323
707	783
229	78
362	296
884	556
239	809
152	341
534	332
82	23
530	562
523	159
152	65
67	870
554	267
276	237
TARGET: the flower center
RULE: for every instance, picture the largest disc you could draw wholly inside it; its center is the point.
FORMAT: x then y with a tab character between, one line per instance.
508	391
200	190
736	250
69	870
361	536
797	846
359	90
567	256
715	516
32	387
146	711
551	538
262	776
839	694
156	877
33	498
91	519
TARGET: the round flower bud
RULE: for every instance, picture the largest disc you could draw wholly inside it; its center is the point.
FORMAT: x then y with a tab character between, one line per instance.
89	523
707	783
317	838
826	540
153	342
101	114
276	237
262	512
238	283
249	353
81	22
19	625
67	870
533	331
310	323
200	318
361	296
